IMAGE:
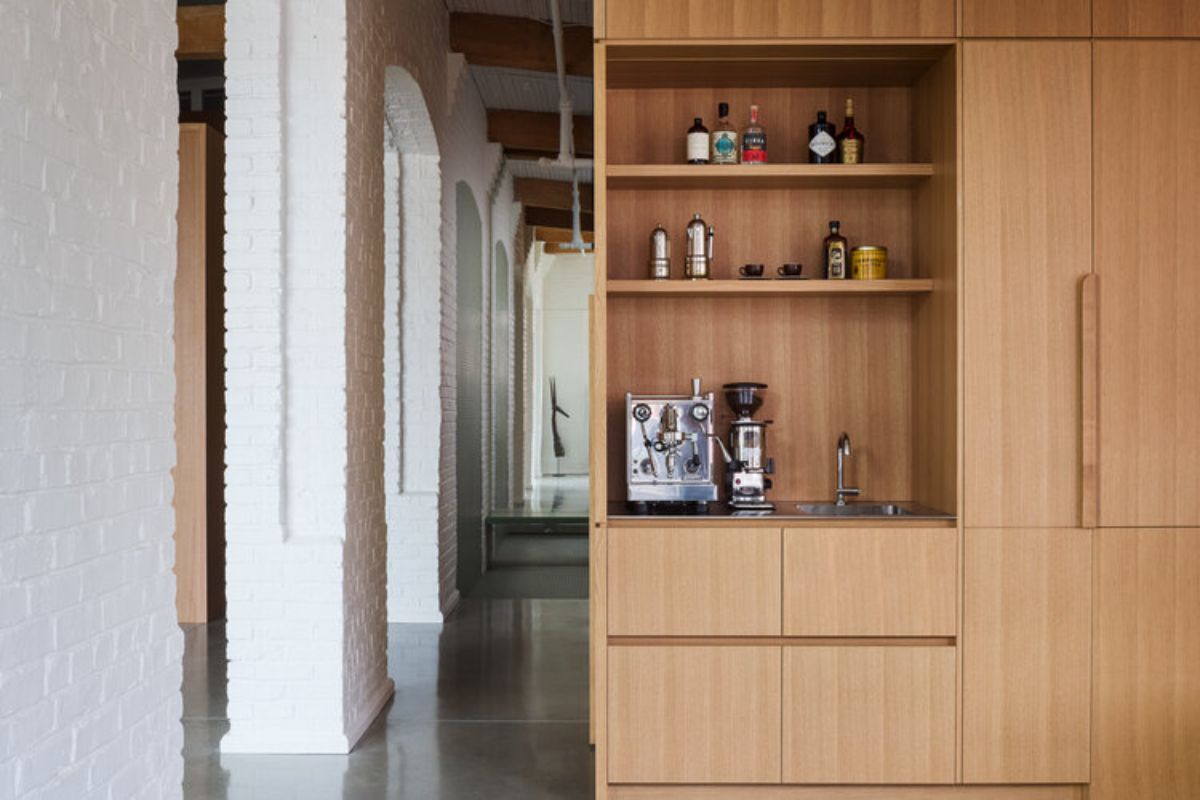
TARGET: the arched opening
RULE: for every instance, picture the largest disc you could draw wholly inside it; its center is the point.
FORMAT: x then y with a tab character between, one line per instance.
469	385
502	352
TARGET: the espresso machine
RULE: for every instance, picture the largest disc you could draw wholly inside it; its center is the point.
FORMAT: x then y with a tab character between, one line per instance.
748	464
669	463
697	263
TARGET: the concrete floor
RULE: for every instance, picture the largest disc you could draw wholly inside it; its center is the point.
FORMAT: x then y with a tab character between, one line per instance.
491	705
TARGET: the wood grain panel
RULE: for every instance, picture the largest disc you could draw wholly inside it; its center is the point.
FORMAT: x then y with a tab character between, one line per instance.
701	582
1027	656
1146	18
870	582
831	364
868	715
648	126
723	19
846	792
1146	683
1146	213
1027	246
199	383
694	714
1027	18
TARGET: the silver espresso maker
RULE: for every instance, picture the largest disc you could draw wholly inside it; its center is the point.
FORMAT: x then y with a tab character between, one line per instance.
748	464
697	263
669	451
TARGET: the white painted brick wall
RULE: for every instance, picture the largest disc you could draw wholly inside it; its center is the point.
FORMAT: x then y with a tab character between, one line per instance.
89	649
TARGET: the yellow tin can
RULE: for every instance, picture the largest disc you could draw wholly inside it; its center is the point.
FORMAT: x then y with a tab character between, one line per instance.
868	263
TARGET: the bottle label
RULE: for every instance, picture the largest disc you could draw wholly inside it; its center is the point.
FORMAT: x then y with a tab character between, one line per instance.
697	147
822	144
724	147
837	262
754	148
851	151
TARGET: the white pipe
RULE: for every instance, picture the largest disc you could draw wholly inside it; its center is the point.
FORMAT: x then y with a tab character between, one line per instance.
566	120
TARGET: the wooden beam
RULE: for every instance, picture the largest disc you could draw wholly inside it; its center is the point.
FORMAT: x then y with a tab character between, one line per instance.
535	132
490	40
551	194
556	218
201	32
559	235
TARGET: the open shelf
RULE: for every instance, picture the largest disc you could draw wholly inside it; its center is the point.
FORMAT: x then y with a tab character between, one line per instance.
766	176
768	287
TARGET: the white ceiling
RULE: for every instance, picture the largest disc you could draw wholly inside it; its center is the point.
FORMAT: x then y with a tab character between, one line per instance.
574	12
526	168
525	90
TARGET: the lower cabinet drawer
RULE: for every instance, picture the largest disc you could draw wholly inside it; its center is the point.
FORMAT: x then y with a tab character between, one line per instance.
871	714
694	714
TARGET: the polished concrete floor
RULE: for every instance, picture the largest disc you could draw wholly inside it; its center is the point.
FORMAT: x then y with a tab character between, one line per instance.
491	705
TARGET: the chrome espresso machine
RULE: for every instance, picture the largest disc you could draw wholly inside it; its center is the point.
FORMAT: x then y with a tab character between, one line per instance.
669	447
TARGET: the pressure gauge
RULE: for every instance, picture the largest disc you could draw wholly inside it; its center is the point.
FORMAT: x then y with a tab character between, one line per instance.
641	412
699	412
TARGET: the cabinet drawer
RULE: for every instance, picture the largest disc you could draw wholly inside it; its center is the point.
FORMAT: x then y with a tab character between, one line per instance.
870	582
868	715
693	714
694	582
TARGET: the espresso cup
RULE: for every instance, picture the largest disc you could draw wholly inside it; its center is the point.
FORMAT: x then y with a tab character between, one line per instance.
791	270
751	270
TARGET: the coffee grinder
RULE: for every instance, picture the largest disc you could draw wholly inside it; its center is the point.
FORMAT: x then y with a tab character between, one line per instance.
748	464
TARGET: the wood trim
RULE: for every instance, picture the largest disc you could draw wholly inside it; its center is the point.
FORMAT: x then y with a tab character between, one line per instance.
511	42
770	287
201	32
536	132
793	523
766	176
784	641
1089	417
552	194
849	793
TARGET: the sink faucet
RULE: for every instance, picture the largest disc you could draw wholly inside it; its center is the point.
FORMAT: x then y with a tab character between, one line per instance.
843	451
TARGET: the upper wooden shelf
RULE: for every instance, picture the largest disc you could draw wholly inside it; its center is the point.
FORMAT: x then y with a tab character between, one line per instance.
765	176
768	287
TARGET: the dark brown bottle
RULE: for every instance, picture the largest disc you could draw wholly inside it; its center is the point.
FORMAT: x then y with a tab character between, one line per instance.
851	144
836	254
697	143
822	146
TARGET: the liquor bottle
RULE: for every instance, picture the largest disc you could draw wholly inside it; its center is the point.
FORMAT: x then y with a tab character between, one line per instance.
754	140
836	253
851	144
822	146
724	138
697	143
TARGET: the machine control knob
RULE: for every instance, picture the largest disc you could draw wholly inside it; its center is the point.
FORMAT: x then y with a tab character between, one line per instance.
641	412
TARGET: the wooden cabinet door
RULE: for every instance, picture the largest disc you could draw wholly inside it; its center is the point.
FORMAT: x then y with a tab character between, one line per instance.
694	714
1027	656
1146	682
1027	238
870	582
1146	18
694	582
724	19
1147	209
868	715
1027	17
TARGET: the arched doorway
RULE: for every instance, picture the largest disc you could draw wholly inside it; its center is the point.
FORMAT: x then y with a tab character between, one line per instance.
502	337
469	371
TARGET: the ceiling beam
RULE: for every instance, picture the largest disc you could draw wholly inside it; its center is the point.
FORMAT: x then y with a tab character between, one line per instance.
559	235
556	218
551	194
491	40
201	32
535	132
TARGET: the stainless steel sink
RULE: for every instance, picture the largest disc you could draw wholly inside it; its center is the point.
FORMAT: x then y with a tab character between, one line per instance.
854	510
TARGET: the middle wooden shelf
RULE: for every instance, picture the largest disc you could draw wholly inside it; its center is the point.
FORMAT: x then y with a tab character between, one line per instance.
766	176
767	287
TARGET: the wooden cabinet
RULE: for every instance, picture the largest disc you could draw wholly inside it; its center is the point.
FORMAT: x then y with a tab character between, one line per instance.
870	582
1027	17
1145	678
1027	247
868	715
1146	18
694	714
1147	207
694	582
724	19
1026	656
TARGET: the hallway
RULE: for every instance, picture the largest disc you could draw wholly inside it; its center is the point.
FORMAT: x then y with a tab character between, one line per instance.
491	705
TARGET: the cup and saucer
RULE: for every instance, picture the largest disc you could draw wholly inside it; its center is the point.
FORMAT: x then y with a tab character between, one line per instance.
791	272
751	272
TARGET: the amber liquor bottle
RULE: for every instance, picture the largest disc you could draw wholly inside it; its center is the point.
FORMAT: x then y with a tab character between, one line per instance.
822	146
851	144
836	253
